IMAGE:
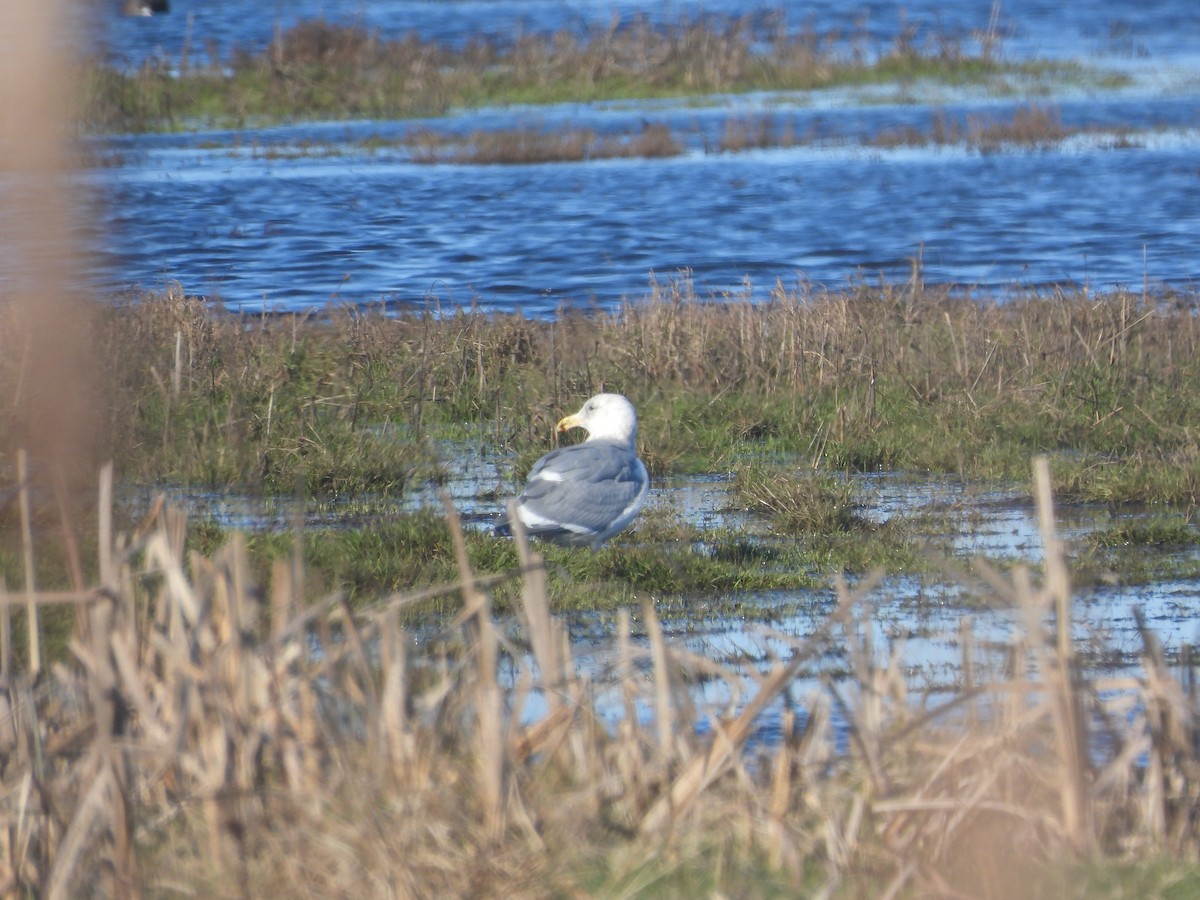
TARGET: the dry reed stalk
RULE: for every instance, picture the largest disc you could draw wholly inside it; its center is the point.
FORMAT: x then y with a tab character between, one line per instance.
874	686
1072	745
394	730
729	736
1173	776
545	634
489	702
6	648
631	761
664	718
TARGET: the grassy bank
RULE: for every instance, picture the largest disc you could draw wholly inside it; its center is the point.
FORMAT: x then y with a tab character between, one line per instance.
354	411
893	377
323	71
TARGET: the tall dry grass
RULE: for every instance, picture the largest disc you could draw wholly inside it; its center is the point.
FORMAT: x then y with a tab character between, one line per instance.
204	736
894	376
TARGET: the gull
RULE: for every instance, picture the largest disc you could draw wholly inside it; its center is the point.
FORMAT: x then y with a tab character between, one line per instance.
583	494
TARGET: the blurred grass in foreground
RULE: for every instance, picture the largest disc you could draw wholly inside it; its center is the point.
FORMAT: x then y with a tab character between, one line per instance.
207	733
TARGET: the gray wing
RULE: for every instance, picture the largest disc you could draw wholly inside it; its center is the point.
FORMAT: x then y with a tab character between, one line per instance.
582	489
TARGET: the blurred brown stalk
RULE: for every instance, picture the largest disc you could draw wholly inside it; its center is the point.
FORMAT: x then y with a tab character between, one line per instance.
47	409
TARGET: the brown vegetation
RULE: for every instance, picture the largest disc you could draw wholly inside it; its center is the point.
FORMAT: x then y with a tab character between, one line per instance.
894	377
204	734
1030	126
1033	126
528	145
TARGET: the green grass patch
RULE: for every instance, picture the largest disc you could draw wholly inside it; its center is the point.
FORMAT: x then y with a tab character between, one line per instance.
799	503
368	405
350	411
1150	532
406	553
1140	550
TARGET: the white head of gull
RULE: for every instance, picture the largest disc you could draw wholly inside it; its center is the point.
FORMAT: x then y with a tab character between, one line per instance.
585	493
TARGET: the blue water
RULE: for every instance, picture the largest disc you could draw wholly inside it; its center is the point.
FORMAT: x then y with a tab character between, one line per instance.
291	229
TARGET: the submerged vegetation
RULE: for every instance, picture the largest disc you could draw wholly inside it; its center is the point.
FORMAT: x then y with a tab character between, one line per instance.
323	70
528	145
1029	127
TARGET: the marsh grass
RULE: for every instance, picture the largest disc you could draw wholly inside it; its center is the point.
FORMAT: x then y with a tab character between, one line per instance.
326	70
1160	531
351	410
800	502
407	552
891	377
1142	550
1032	126
209	732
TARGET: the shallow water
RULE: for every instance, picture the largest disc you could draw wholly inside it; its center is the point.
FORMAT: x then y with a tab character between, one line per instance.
916	624
297	217
259	234
918	617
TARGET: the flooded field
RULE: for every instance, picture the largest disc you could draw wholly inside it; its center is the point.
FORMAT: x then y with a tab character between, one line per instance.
307	214
918	617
